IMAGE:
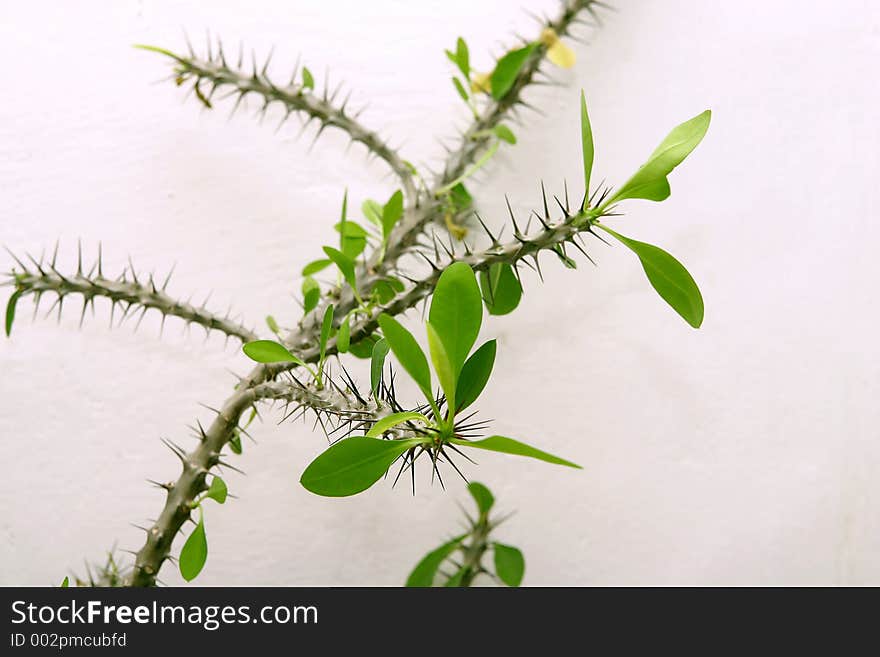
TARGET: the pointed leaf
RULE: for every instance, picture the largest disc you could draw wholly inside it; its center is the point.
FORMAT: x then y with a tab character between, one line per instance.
650	182
392	212
390	421
315	266
372	211
408	353
66	583
363	348
586	143
474	375
352	238
218	490
352	465
504	133
482	496
463	58
10	311
326	328
507	69
510	566
668	277
459	87
308	79
344	336
457	312
461	197
377	364
515	447
444	368
456	579
502	291
194	553
269	351
426	570
344	263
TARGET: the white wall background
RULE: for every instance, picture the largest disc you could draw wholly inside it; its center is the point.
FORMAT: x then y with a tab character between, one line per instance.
743	453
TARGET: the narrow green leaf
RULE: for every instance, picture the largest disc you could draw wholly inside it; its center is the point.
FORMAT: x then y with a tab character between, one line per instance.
10	311
426	570
510	446
586	143
311	294
502	291
372	212
408	352
308	79
457	312
668	277
235	443
440	358
510	566
352	238
650	182
392	212
66	583
475	375
343	338
326	328
218	490
456	579
459	87
463	58
344	263
504	133
352	465
507	69
194	553
377	364
482	496
391	421
269	351
272	324
315	266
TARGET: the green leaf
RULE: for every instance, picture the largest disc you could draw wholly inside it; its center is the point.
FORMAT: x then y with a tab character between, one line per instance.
408	352
510	566
326	328
507	69
459	87
311	294
363	348
668	277
650	182
343	338
218	490
457	312
235	443
269	351
482	496
377	364
463	58
194	553
455	580
426	570
344	263
511	446
461	197
586	144
502	290
272	324
352	465
387	288
372	212
66	583
391	421
315	266
10	311
504	133
308	79
392	212
442	365
474	375
352	238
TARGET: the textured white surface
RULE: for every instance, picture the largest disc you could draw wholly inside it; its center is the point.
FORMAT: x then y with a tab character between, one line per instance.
743	453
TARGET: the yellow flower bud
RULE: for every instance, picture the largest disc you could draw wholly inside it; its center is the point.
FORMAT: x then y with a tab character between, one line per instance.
480	83
557	52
